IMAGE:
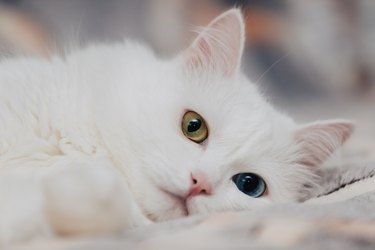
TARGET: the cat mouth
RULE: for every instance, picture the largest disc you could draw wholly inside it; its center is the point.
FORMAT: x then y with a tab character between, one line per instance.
178	203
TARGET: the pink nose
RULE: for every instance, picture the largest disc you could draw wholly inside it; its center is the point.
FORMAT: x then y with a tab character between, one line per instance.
200	185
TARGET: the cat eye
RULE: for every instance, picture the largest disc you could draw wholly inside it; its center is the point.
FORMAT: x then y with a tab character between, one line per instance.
194	127
250	184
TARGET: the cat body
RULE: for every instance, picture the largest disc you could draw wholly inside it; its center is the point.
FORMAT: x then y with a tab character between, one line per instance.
92	142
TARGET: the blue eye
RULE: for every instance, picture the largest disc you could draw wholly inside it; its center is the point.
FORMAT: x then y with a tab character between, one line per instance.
250	184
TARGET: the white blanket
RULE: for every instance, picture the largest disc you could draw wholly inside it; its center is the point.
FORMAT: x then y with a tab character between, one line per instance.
342	217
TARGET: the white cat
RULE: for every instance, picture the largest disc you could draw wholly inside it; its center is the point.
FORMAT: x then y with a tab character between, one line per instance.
111	137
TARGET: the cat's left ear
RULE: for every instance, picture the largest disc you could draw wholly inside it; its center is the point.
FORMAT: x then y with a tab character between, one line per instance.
219	46
317	141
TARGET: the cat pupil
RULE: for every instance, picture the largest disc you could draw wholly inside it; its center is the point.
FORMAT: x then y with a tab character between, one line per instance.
194	125
250	183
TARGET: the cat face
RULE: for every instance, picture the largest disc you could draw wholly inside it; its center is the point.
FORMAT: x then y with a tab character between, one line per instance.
205	140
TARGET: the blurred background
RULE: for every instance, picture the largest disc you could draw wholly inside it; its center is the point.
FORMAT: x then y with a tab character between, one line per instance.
312	59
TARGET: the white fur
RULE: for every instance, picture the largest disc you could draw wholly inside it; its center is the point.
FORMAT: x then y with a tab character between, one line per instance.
92	143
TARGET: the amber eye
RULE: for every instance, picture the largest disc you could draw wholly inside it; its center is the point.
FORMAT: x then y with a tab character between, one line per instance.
194	127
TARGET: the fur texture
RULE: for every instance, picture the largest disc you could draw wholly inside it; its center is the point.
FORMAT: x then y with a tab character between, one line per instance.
92	143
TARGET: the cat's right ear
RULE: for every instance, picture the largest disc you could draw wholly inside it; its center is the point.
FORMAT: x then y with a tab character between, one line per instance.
219	46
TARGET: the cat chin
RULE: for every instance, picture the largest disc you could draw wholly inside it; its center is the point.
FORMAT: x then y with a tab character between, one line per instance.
178	203
174	207
167	206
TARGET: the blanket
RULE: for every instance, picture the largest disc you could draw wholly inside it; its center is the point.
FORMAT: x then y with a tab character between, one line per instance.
339	214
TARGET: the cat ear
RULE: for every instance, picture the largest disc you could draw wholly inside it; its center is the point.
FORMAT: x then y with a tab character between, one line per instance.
319	140
219	46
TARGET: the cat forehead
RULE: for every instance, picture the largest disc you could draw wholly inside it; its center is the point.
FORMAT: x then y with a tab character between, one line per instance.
225	102
222	100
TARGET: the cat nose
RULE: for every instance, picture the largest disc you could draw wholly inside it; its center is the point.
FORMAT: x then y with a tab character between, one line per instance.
200	185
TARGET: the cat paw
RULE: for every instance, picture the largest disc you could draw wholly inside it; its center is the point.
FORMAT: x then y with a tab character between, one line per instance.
21	210
88	199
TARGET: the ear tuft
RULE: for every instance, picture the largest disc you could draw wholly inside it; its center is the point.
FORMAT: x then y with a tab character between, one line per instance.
319	140
220	45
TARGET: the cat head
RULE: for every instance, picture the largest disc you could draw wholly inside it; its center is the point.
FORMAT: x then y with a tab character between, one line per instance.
203	139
